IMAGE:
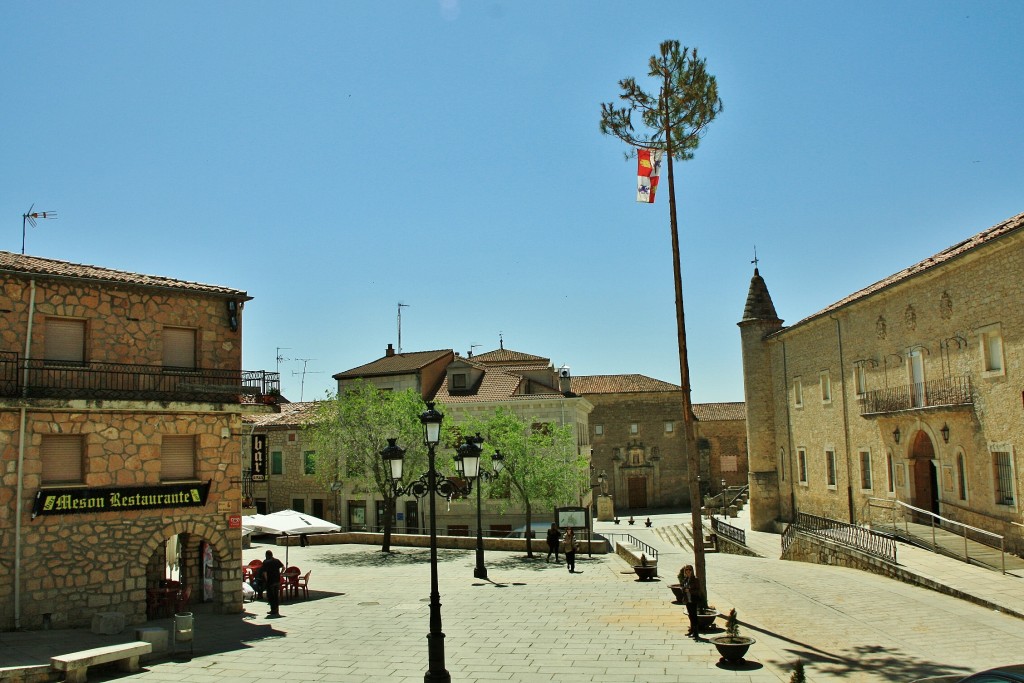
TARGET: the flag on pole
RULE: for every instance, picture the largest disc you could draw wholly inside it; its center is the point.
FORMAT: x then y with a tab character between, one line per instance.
647	173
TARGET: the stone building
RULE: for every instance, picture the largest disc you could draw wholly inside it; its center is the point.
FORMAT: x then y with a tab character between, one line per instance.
638	441
906	390
120	416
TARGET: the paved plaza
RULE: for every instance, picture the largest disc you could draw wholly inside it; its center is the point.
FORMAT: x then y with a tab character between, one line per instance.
367	620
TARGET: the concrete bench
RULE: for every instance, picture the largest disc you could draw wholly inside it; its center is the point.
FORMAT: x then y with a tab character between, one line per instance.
76	664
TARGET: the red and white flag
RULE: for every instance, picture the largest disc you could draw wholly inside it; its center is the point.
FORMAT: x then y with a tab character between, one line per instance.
647	173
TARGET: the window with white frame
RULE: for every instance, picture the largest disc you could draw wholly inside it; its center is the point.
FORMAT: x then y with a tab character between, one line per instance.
830	468
634	427
890	473
860	378
801	465
669	426
798	392
992	350
825	380
865	470
598	430
1002	465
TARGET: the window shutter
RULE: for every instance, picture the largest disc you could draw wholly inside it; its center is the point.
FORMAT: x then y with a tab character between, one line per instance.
62	459
179	348
178	456
64	340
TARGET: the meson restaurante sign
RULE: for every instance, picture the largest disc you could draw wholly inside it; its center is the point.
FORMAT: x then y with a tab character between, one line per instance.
83	500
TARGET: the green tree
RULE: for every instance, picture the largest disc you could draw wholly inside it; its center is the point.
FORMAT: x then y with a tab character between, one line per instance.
351	429
543	467
672	120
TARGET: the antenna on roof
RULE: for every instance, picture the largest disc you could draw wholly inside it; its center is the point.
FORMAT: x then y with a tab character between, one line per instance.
501	341
471	347
400	307
30	217
280	358
302	386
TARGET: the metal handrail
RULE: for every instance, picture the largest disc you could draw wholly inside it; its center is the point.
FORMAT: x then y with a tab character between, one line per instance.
633	540
729	531
859	537
938	521
788	536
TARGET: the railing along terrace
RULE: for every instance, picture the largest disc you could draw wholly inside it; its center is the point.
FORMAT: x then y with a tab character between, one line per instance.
859	537
729	531
948	391
108	381
629	539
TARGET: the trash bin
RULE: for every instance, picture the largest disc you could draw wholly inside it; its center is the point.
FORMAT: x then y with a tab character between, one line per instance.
183	630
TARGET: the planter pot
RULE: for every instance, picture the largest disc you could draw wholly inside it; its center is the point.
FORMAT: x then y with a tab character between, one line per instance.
732	649
645	573
677	591
706	620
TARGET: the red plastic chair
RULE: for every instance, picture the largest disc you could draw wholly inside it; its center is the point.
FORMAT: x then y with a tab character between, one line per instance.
302	584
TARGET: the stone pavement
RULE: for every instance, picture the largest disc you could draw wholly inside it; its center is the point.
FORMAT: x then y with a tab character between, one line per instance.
367	618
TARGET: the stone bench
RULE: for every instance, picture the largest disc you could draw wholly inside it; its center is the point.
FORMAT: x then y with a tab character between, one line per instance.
76	665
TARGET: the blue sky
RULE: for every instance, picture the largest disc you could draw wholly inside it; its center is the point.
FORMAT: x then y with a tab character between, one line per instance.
336	158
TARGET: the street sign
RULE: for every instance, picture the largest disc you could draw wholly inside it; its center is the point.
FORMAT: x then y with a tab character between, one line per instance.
259	457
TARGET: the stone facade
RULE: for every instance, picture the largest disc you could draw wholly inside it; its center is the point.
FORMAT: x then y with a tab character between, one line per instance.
908	390
120	403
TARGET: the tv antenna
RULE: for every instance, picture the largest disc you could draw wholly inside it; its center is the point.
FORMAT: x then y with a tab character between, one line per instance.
30	218
280	358
302	386
471	347
400	307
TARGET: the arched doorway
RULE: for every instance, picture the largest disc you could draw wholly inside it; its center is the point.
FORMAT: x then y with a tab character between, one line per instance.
926	478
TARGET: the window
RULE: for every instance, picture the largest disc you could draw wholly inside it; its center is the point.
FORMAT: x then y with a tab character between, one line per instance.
860	378
1003	477
669	426
64	341
801	464
634	428
598	430
992	350
179	348
798	392
458	380
830	468
961	476
309	462
276	462
865	470
299	504
826	386
889	472
61	459
178	458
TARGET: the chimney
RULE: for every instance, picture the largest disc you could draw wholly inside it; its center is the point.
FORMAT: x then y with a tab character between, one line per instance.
390	351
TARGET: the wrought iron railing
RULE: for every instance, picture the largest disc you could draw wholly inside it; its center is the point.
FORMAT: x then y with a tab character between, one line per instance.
99	380
858	537
650	552
948	391
726	530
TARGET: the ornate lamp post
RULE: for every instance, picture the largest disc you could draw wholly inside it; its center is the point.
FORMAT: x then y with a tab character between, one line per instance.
429	483
468	462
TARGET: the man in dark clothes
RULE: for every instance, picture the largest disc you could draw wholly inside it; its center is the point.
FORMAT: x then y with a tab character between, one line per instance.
553	540
270	573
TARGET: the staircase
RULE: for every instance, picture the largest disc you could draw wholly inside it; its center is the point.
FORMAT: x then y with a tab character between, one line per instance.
681	536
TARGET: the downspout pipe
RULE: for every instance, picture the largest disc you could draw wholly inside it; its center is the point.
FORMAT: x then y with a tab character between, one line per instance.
18	502
789	434
846	419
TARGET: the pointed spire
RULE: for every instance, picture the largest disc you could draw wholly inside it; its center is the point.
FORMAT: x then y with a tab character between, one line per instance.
759	302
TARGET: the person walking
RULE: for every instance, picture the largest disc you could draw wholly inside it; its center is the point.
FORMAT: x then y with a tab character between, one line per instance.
553	538
270	574
569	545
692	597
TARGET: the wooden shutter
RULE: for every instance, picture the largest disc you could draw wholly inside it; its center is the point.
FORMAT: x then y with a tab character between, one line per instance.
179	348
64	340
62	459
178	458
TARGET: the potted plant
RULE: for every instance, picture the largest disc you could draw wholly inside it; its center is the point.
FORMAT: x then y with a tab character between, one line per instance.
645	571
732	646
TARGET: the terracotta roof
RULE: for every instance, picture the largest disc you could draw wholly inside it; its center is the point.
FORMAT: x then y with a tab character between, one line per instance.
495	386
712	412
619	384
34	265
397	364
292	415
982	238
507	356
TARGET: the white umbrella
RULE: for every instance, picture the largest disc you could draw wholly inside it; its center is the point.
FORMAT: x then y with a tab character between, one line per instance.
288	522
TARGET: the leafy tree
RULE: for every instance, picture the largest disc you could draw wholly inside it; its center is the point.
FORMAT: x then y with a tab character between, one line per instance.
672	120
351	429
542	464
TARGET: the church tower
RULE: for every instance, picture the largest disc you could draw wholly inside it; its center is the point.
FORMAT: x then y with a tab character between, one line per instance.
760	320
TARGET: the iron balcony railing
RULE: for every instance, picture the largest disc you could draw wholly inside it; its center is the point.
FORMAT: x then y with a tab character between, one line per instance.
948	391
726	530
20	378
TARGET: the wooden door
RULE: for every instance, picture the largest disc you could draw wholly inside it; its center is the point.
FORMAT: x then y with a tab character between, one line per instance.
637	487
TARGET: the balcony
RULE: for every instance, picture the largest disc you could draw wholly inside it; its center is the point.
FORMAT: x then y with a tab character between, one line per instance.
945	392
124	381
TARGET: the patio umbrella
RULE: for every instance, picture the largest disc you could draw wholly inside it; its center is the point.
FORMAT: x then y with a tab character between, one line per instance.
288	522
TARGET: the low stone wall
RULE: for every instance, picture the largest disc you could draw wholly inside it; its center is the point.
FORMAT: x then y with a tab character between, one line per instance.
595	547
807	548
727	545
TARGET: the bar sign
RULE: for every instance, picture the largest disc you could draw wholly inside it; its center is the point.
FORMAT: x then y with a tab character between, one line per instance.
259	457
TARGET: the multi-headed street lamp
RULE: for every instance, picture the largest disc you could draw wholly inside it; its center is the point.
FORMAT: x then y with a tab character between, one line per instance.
427	484
468	463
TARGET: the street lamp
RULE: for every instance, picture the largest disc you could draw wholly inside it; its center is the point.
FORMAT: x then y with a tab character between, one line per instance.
429	483
468	462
